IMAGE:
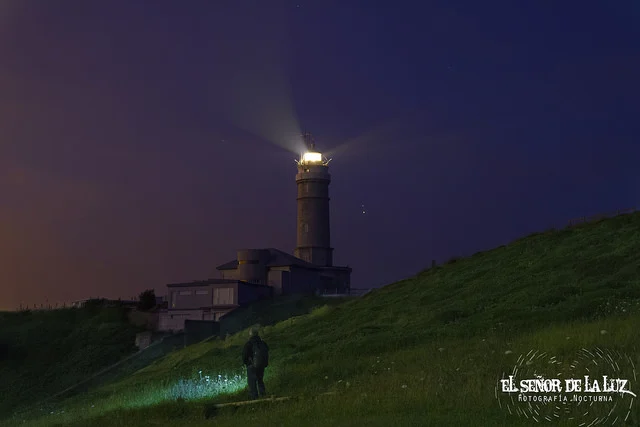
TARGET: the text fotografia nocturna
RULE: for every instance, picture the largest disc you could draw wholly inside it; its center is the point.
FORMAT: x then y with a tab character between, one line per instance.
570	385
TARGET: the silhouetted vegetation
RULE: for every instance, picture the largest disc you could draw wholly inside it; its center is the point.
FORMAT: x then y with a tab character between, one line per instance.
147	300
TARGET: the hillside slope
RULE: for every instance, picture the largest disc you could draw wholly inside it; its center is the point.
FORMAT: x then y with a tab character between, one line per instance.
423	351
47	351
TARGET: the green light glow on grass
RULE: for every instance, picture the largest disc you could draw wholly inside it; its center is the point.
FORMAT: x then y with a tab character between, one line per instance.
189	389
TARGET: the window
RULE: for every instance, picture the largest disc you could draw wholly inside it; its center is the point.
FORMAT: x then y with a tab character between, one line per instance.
205	292
306	228
186	292
222	296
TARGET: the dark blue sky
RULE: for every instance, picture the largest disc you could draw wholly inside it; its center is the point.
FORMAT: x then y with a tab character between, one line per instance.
142	143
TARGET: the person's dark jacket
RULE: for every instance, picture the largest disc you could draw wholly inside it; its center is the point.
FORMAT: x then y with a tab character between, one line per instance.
247	351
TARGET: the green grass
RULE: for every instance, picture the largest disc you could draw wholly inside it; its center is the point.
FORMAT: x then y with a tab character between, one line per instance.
423	351
271	311
49	351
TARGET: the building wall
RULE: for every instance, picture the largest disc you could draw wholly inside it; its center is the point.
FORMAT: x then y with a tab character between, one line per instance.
303	281
252	265
192	297
230	274
248	294
208	302
338	280
279	280
189	297
174	320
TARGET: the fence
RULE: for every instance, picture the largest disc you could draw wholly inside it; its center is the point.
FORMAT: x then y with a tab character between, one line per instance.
586	219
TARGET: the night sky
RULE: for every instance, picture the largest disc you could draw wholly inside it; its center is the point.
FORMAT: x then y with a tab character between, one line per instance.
142	143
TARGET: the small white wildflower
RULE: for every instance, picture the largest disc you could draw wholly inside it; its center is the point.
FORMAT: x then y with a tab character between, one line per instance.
339	381
508	352
348	384
404	386
602	332
326	378
457	369
441	349
568	338
422	379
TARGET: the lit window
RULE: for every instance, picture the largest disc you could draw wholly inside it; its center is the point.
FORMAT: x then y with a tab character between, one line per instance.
306	228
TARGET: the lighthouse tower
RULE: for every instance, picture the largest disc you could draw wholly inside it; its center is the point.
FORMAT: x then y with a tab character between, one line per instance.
313	233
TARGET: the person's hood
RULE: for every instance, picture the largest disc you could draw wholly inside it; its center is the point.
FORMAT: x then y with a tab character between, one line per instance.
255	339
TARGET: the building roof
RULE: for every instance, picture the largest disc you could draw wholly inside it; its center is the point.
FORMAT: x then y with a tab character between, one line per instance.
277	258
214	282
202	283
231	265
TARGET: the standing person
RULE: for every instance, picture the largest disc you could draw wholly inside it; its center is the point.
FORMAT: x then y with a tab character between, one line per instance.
255	355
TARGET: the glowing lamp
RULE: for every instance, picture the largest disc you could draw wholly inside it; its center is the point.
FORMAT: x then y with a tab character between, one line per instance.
311	157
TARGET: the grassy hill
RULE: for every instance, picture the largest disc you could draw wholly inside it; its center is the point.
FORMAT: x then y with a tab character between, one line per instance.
424	351
269	312
44	352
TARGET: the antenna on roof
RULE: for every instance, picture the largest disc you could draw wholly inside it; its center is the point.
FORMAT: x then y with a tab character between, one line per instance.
309	141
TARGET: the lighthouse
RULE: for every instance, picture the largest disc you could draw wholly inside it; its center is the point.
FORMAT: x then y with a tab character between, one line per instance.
313	225
256	274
